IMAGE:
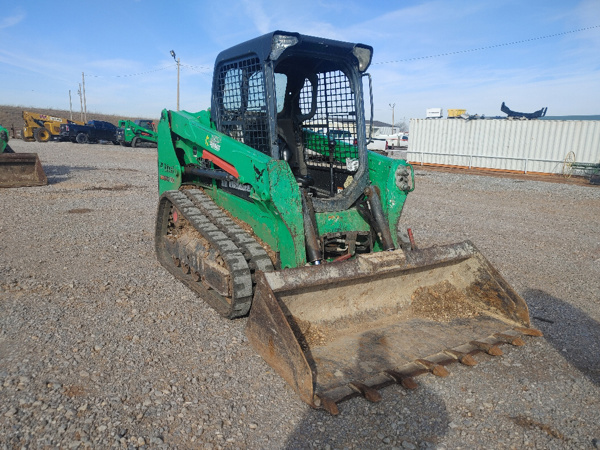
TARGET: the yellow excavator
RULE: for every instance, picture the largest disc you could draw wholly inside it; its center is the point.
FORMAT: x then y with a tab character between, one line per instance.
42	127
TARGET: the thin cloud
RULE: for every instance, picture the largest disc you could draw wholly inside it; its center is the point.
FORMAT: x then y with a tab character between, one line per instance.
51	69
11	21
545	72
256	12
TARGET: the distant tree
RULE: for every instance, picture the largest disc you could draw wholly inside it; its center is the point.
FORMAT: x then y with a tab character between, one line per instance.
401	127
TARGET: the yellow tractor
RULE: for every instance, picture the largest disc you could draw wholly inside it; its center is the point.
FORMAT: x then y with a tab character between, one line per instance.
42	127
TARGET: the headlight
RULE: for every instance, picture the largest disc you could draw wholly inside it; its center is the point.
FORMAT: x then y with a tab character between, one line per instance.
403	178
363	55
280	43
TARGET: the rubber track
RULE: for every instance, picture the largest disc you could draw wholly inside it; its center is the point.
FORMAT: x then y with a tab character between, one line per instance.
254	253
233	256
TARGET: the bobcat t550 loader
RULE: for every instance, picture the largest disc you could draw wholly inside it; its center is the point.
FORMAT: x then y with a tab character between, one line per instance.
271	204
133	133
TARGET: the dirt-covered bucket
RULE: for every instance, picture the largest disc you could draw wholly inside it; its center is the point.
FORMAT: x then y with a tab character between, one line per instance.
344	329
21	169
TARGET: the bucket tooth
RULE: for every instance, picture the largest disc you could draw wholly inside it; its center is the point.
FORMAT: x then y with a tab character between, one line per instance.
448	303
327	404
434	368
490	349
405	381
463	358
529	331
510	339
367	392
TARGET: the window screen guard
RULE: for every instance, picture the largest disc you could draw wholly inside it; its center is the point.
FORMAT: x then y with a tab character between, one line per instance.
242	100
330	135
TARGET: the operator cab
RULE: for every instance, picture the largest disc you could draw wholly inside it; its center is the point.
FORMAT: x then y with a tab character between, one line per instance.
299	98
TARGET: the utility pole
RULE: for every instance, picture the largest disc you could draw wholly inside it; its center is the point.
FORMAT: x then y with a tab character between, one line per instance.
70	106
80	100
392	106
178	65
84	103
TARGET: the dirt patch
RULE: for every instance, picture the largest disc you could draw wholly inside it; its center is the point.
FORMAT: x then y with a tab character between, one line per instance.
74	391
441	302
79	211
118	187
307	334
527	422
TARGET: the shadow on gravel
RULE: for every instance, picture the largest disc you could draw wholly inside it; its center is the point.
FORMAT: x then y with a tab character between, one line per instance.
404	418
417	420
58	174
572	332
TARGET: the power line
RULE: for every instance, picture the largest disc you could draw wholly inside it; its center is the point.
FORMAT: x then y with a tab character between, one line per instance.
198	69
205	69
490	46
133	74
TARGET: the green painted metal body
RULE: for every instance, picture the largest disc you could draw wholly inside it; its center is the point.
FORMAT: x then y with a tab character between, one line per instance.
318	141
139	129
3	138
283	150
274	205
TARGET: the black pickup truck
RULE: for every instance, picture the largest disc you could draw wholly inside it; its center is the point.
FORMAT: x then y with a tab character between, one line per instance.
93	131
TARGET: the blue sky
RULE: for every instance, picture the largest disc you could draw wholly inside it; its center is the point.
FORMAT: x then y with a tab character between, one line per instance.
123	49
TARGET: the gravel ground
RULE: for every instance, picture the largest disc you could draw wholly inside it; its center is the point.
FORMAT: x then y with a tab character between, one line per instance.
100	347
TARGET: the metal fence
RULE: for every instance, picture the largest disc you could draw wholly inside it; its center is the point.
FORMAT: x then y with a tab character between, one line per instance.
514	145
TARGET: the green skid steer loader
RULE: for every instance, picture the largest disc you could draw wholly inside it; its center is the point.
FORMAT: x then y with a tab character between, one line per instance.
271	205
132	133
19	169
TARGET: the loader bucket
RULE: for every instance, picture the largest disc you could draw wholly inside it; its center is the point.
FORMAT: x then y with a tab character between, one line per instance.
21	169
346	329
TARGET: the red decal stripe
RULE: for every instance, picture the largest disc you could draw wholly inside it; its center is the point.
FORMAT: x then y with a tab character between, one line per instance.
221	163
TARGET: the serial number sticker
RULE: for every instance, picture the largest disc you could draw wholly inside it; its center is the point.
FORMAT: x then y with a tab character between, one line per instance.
169	179
213	142
236	185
